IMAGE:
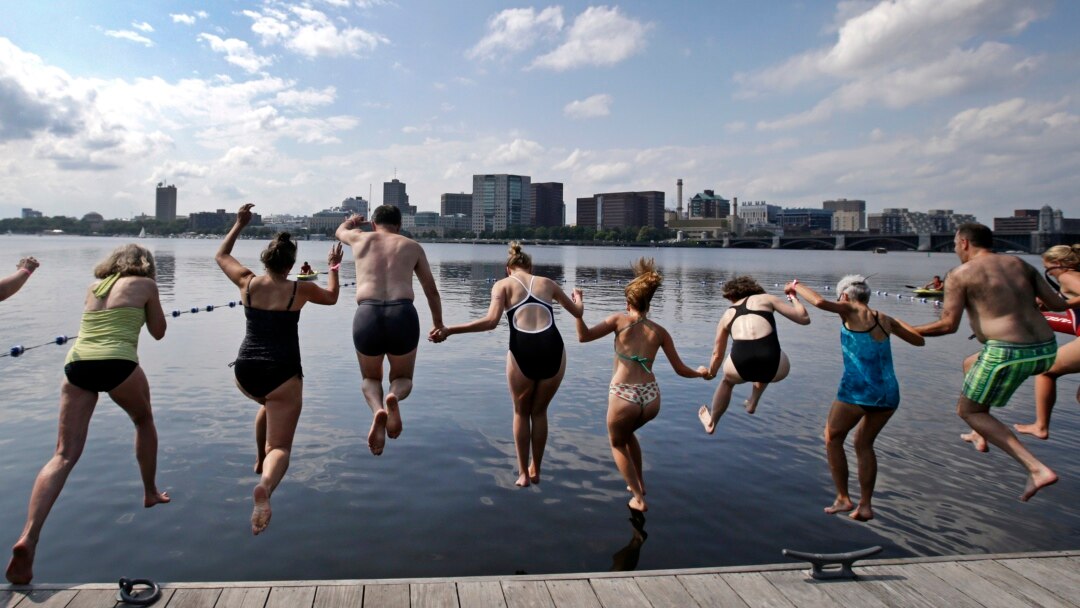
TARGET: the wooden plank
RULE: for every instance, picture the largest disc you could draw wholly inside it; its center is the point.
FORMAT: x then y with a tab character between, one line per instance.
711	590
1067	567
50	598
664	592
10	599
756	590
974	586
1018	585
339	596
619	593
526	594
94	598
243	597
891	588
433	595
1046	575
572	593
194	598
933	588
848	592
800	589
481	594
291	597
390	596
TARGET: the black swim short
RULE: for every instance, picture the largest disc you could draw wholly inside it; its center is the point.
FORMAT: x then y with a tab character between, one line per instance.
99	376
389	327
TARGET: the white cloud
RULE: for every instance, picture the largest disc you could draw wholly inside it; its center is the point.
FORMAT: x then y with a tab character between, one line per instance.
410	129
514	153
202	14
515	30
311	33
594	106
600	36
606	173
306	99
182	18
736	126
143	26
243	156
129	35
237	52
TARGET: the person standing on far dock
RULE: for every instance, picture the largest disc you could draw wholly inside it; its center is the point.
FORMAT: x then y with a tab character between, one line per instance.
998	292
386	325
11	284
869	393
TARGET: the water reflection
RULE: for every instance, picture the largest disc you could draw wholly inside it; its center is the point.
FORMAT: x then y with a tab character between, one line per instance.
626	559
165	260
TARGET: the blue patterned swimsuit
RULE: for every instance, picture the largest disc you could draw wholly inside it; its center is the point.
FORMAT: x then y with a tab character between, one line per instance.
869	380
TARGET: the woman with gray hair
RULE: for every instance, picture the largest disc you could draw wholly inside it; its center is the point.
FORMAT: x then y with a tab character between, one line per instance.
869	393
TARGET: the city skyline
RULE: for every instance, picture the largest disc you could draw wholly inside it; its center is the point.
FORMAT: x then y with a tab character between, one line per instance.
972	106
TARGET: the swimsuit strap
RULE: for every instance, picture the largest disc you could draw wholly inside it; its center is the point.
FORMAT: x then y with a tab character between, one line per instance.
247	289
528	292
106	284
636	359
640	320
877	323
293	296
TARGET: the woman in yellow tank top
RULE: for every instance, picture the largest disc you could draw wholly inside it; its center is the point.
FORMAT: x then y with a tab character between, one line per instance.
103	359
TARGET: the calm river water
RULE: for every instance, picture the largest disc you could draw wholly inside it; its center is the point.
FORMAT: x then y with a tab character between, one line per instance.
441	500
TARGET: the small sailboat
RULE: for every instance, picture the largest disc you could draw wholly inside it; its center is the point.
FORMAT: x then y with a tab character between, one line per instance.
142	233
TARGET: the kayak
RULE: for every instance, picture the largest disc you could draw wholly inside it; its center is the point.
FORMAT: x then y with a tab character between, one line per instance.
930	293
307	277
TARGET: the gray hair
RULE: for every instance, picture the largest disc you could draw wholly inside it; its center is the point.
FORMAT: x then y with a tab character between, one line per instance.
854	285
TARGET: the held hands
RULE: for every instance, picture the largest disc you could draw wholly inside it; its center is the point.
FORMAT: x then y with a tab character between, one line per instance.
355	221
577	298
335	255
243	215
704	371
438	334
28	263
789	288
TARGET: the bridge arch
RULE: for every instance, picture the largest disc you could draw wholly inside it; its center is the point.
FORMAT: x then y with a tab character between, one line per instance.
814	243
868	243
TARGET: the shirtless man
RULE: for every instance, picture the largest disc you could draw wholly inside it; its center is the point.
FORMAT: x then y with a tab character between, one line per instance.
385	323
998	292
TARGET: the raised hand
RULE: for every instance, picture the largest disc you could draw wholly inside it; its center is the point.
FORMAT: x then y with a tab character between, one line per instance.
29	263
355	221
243	215
335	255
577	297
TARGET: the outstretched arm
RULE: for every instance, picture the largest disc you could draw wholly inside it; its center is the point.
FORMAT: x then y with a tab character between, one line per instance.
346	232
904	331
601	329
951	313
794	311
573	305
232	267
155	316
814	298
329	296
673	357
719	347
486	323
13	283
427	282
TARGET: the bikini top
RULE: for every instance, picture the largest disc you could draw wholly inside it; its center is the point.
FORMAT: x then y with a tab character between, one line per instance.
633	358
272	335
529	300
741	309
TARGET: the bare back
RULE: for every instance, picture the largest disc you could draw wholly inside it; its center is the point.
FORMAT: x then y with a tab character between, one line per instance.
633	338
998	292
127	292
385	264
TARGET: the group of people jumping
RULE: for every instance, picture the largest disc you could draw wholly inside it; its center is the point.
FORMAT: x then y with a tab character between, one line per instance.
1001	294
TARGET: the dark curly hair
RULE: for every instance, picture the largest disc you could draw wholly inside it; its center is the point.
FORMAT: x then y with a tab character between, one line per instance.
741	287
280	255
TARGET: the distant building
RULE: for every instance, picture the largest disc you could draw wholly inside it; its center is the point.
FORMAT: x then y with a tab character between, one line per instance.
903	221
759	214
456	221
706	204
394	194
327	220
165	204
621	210
548	205
500	201
1045	220
454	204
796	220
357	205
28	213
217	221
95	220
848	215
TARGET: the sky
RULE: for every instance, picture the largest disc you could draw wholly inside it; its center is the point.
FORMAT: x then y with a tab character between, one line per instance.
971	105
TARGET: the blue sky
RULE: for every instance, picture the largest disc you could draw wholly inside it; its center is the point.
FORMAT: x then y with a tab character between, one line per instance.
964	104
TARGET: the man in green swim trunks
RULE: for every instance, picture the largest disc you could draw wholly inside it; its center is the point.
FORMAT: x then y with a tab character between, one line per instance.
998	292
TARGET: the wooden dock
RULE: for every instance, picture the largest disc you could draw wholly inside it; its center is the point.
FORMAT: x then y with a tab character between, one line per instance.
977	581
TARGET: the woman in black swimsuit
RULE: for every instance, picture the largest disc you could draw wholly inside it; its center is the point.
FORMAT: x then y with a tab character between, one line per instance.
268	366
755	350
537	359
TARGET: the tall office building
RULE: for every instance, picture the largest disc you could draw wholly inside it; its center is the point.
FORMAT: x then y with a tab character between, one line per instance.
393	193
165	206
708	204
621	210
547	201
500	201
455	204
357	205
848	216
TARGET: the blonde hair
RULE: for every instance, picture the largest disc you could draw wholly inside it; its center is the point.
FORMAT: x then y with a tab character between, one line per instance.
129	260
639	292
1067	256
516	258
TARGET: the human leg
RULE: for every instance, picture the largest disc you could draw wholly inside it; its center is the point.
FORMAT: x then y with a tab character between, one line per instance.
721	398
521	393
623	418
978	417
542	396
842	418
872	423
401	384
283	406
974	438
76	408
1067	362
133	395
371	369
782	371
260	438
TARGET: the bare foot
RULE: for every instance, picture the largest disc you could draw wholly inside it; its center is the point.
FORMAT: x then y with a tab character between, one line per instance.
751	407
976	440
839	506
376	437
20	570
260	515
705	416
863	513
1033	429
156	498
1038	481
631	490
534	474
637	505
522	481
393	423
